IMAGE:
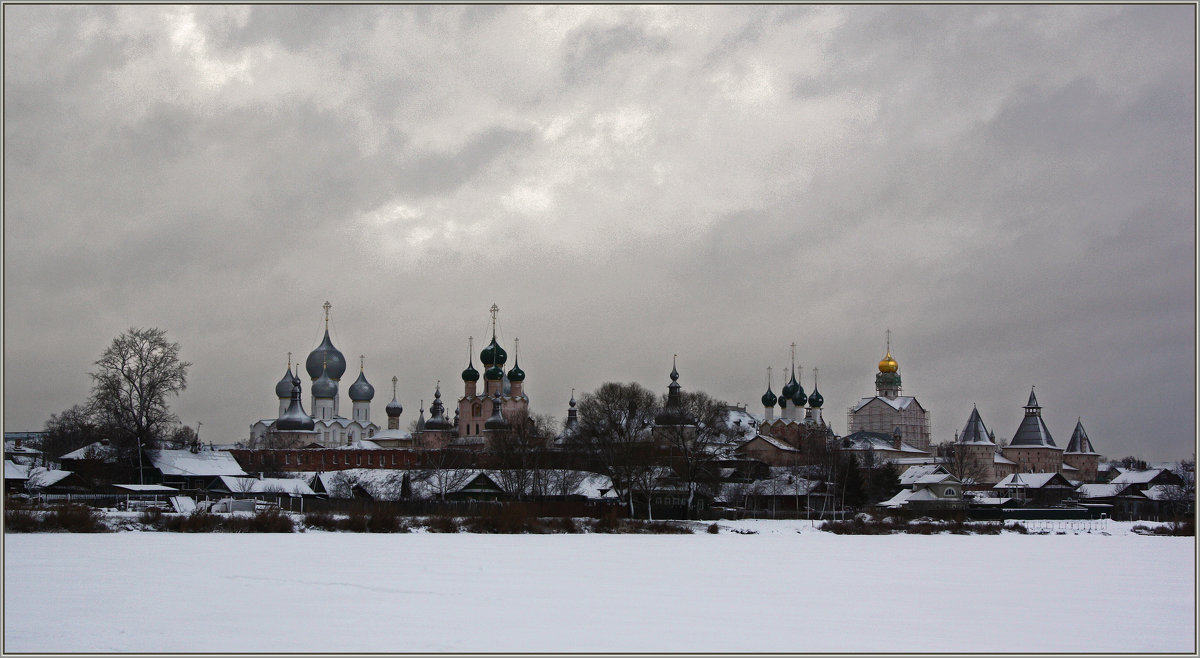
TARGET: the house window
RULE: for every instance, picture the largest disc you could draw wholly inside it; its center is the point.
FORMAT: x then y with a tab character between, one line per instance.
370	460
393	459
287	458
949	491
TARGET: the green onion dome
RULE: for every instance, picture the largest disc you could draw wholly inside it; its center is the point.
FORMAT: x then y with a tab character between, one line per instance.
493	374
815	400
789	389
768	398
470	374
798	398
493	354
516	374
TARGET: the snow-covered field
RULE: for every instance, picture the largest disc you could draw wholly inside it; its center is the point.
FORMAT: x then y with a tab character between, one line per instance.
788	588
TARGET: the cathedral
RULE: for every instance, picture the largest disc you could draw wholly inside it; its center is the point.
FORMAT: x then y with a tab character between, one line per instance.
478	414
889	410
329	429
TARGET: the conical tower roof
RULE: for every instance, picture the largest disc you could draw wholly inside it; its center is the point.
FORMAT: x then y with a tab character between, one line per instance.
1080	443
975	432
1032	432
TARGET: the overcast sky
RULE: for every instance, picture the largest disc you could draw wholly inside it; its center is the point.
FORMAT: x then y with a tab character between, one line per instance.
1010	189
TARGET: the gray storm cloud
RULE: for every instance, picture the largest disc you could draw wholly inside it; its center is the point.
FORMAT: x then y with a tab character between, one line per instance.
1010	189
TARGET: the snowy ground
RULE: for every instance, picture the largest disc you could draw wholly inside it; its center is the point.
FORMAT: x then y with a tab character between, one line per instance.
788	588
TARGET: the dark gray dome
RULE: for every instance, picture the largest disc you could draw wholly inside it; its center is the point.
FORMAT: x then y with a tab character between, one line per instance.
393	408
283	390
328	357
295	418
361	390
324	387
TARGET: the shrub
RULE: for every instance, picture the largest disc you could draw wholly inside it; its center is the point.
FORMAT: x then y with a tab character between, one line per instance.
608	521
21	520
76	518
198	521
151	516
321	521
381	521
442	523
564	524
267	520
714	529
1018	528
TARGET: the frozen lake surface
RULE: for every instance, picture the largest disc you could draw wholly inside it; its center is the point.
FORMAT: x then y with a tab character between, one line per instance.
786	589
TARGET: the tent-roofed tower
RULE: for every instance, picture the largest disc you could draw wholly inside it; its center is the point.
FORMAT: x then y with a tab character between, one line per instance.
1082	454
1032	447
974	452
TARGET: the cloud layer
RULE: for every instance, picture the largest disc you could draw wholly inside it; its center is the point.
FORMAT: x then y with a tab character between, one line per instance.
1010	189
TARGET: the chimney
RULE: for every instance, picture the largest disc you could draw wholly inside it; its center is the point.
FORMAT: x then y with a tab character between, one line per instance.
896	436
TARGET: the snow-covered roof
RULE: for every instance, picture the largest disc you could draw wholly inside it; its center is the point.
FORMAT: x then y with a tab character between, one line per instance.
1029	480
1162	492
391	434
898	403
146	488
771	441
1100	490
914	473
1001	459
14	471
40	478
1068	467
878	441
202	463
1137	477
97	450
362	444
899	499
293	486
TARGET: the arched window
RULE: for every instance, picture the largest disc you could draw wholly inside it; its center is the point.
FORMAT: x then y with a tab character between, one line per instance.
950	491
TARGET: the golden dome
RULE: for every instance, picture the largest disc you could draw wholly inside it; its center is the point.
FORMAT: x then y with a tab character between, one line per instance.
888	364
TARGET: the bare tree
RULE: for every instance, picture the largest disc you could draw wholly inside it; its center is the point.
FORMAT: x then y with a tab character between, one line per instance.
614	433
694	447
70	430
131	384
445	471
519	452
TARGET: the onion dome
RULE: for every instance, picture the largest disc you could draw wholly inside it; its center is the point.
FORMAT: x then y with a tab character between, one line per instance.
496	420
361	390
437	413
888	364
470	374
768	398
394	408
493	354
789	389
324	387
328	357
493	374
798	396
516	374
283	390
295	418
815	400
